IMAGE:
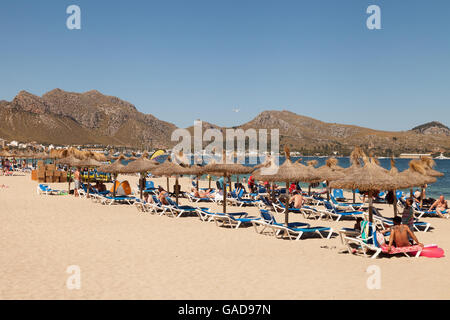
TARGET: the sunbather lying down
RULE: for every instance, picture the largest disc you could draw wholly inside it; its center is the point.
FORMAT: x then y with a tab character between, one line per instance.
400	235
202	194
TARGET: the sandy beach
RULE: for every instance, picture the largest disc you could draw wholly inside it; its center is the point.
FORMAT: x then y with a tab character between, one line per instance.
125	254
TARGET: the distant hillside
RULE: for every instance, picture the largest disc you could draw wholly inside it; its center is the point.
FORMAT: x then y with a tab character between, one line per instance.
80	118
434	127
311	136
62	117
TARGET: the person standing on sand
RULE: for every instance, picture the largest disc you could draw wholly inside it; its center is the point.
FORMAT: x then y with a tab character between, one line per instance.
76	179
408	214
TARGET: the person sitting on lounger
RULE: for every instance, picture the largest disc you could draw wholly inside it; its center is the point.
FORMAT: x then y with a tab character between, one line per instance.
400	235
162	196
441	205
147	197
201	194
297	199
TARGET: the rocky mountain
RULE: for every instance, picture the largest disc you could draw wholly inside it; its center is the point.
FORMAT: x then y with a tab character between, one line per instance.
312	136
62	117
432	128
80	118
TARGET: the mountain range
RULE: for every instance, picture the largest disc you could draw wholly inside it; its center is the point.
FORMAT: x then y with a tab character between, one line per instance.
61	117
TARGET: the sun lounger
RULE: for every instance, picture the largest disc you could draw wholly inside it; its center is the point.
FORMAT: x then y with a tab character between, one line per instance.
372	240
383	221
334	212
293	231
279	207
45	189
346	206
178	210
421	212
232	220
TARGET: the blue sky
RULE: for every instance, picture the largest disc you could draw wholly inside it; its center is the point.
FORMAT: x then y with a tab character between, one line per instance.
188	59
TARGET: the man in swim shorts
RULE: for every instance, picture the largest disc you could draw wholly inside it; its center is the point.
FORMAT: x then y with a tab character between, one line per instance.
400	235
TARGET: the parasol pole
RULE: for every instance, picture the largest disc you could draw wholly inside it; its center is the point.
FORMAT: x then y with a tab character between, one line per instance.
209	181
286	209
422	196
167	184
176	191
140	185
354	195
224	194
328	190
395	203
370	206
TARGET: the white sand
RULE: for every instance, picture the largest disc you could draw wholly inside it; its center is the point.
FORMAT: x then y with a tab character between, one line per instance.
124	254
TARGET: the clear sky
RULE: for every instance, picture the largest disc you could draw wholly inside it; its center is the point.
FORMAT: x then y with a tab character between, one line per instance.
186	59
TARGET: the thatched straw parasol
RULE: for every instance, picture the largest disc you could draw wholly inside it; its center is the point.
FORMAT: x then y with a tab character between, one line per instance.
329	172
5	154
403	181
287	172
171	168
114	168
370	177
226	169
141	166
428	164
416	175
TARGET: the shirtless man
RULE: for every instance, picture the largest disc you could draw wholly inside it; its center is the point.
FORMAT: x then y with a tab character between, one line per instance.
441	205
400	234
298	200
76	179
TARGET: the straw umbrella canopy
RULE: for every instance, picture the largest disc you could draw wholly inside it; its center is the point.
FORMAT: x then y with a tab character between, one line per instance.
428	164
404	180
287	172
170	168
226	169
5	154
370	177
114	168
416	175
329	172
141	166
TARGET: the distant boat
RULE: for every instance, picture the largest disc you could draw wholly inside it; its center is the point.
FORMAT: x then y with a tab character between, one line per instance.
442	157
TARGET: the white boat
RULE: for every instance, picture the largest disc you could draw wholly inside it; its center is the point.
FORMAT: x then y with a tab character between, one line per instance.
442	157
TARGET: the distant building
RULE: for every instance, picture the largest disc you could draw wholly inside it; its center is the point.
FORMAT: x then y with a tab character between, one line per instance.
13	144
414	155
2	143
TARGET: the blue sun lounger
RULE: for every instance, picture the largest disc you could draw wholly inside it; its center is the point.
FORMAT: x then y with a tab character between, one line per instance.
294	231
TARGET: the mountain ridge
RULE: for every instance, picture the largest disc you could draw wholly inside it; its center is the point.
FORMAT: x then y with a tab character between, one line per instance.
63	117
